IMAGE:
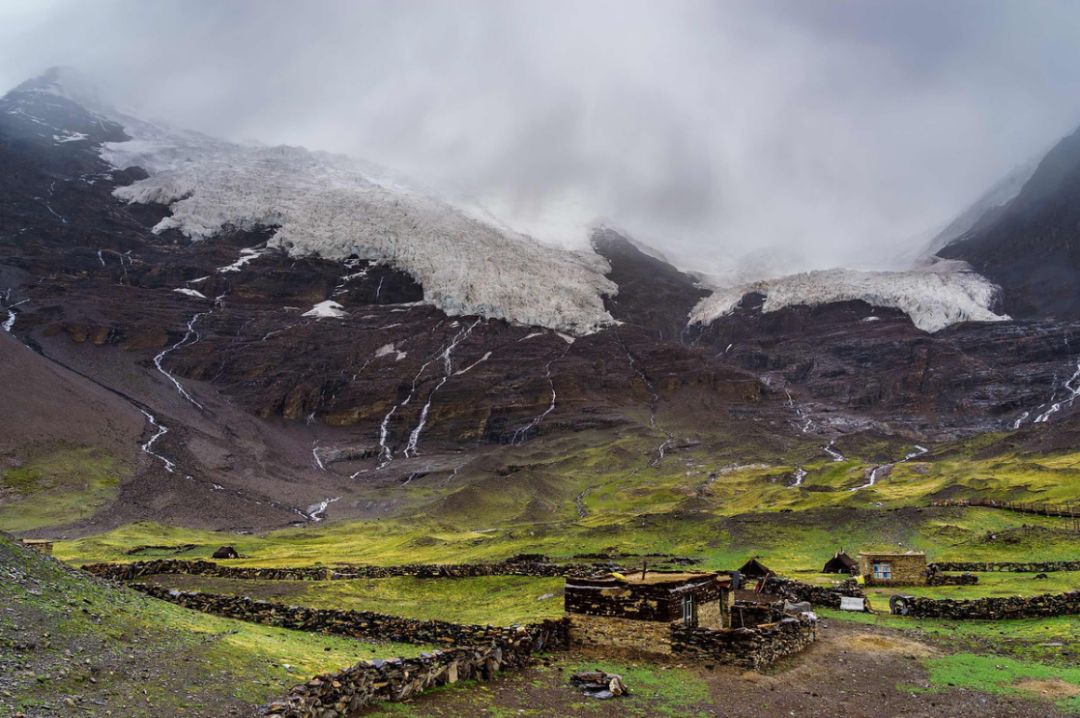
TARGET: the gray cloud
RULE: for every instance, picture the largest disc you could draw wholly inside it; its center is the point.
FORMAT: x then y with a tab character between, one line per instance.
786	135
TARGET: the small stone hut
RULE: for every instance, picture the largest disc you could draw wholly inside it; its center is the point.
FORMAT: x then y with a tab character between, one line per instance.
841	563
43	545
893	569
636	611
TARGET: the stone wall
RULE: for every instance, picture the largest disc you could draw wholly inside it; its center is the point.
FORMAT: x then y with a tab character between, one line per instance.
952	579
139	569
753	648
1018	566
1045	605
347	692
366	625
621	634
906	569
828	596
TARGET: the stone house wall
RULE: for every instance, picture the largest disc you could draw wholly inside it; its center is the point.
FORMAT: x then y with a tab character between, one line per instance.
753	648
643	602
622	634
907	569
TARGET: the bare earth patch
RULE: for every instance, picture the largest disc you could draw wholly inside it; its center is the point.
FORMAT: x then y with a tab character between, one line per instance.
1053	688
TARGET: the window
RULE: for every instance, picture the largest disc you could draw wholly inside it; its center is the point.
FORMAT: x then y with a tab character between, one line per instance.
882	570
689	611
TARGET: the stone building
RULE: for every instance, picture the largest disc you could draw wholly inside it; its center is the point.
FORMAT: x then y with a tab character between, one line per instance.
893	569
637	611
43	545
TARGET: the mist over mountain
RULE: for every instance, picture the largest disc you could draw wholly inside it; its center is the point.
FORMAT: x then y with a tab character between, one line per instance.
742	139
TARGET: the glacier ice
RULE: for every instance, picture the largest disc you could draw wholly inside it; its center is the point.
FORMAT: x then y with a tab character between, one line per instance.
334	207
934	296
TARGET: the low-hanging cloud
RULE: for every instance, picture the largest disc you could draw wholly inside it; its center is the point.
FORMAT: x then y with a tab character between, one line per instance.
772	136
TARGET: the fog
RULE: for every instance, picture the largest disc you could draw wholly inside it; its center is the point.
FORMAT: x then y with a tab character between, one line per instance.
761	136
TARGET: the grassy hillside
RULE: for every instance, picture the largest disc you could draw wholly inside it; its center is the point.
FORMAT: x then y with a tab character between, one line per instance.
72	645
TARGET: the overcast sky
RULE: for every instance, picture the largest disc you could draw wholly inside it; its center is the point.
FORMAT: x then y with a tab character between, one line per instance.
797	134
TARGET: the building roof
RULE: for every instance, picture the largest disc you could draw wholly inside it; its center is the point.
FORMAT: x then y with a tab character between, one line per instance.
651	578
892	553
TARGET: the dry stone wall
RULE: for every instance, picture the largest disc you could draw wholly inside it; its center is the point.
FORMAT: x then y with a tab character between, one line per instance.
753	648
140	569
1017	566
994	608
356	624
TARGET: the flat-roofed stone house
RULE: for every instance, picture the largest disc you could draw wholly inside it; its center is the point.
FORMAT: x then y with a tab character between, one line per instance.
637	611
893	569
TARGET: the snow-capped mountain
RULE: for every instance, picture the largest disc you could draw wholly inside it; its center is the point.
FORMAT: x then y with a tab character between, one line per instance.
293	338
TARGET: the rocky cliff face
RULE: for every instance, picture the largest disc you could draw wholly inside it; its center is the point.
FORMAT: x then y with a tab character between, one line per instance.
279	387
1031	245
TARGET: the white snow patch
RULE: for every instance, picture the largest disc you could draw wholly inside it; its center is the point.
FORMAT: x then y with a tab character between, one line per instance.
191	293
934	296
328	309
335	206
69	137
388	349
530	335
246	255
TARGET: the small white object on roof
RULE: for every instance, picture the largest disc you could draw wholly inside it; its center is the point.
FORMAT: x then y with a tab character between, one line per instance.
326	310
852	603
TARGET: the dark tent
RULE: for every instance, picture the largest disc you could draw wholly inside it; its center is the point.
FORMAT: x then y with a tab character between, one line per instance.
226	552
754	569
841	563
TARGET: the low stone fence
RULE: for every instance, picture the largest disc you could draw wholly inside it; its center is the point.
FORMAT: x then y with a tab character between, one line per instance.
473	651
952	579
356	624
828	596
1045	605
346	692
140	569
1017	566
753	648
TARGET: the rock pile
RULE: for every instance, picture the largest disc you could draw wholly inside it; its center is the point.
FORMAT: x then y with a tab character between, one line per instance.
599	684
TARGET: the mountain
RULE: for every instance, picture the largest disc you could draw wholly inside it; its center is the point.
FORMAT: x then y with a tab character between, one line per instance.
262	336
1030	246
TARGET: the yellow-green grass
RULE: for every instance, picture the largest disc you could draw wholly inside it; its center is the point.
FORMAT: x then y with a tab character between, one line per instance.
78	629
56	488
1054	640
993	584
486	600
788	543
997	674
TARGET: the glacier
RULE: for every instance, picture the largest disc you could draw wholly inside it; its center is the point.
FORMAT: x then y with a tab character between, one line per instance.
335	207
934	295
